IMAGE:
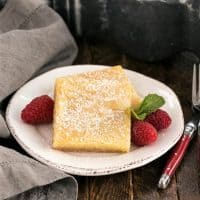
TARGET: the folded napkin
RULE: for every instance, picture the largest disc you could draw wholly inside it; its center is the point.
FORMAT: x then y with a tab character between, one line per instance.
33	39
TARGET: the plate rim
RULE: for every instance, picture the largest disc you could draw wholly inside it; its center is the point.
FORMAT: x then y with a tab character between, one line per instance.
90	172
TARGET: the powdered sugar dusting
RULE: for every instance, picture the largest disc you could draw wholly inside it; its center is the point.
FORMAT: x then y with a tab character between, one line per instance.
94	104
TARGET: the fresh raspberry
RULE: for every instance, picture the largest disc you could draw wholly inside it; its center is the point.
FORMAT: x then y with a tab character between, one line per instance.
38	111
159	119
143	133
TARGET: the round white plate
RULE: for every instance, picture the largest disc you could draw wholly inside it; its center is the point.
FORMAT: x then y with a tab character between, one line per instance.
36	140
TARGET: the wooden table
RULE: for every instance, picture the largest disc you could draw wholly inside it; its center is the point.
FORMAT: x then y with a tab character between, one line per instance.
141	183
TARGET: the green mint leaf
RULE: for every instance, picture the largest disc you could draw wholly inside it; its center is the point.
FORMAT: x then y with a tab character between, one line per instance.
138	117
150	104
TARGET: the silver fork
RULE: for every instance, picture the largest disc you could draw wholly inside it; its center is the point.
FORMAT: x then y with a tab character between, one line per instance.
189	131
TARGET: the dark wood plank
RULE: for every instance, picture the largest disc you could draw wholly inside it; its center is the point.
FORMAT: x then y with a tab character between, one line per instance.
105	55
84	55
171	192
188	174
113	187
143	187
83	188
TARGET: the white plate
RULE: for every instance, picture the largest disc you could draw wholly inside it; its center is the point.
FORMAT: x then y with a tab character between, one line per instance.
36	140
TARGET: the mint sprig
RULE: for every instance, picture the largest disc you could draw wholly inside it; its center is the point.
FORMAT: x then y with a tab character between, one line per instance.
150	104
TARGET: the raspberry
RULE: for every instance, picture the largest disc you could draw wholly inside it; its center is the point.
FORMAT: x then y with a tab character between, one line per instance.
159	119
143	133
38	111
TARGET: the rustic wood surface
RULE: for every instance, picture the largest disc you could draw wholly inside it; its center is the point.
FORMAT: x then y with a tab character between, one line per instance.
141	183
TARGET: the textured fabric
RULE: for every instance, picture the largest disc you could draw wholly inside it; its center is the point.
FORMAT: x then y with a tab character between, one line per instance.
19	174
33	39
31	36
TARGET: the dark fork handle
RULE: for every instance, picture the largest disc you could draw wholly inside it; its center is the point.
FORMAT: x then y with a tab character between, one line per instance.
177	155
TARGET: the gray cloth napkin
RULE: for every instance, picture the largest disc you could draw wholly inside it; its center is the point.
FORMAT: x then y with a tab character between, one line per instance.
33	39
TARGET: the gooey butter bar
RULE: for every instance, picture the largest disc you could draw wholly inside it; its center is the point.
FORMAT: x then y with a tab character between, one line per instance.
92	111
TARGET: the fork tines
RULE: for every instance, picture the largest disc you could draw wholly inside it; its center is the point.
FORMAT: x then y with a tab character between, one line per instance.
195	85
